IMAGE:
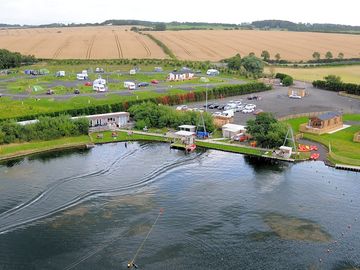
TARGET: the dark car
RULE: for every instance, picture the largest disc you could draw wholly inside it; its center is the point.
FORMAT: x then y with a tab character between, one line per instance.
208	105
213	106
50	92
143	84
76	91
222	107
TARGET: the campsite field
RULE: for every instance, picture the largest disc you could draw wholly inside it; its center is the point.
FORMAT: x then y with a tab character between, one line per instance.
80	43
116	42
349	74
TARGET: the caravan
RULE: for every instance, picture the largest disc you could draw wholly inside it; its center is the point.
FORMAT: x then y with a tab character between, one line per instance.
99	87
60	73
81	77
130	85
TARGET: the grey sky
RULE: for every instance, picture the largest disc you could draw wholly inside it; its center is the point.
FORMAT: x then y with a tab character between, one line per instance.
227	11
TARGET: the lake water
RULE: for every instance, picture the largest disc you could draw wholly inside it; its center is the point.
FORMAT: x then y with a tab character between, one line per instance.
92	210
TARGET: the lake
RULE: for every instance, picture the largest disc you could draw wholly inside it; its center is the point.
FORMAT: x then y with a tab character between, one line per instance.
92	209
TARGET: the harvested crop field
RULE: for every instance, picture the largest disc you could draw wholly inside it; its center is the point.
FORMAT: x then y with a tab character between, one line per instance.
113	42
108	42
219	44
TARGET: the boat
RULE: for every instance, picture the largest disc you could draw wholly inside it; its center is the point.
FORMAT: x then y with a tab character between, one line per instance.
313	148
190	147
304	148
314	156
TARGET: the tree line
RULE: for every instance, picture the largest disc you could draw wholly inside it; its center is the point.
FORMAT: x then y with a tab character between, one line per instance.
151	115
174	99
14	59
47	128
334	83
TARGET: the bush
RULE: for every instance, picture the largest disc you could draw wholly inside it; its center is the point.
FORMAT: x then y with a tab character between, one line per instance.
287	81
350	88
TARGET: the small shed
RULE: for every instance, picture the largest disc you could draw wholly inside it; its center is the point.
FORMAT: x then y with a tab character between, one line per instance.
230	130
188	128
357	137
297	91
186	137
285	151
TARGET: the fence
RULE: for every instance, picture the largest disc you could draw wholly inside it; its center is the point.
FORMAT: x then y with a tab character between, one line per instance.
292	116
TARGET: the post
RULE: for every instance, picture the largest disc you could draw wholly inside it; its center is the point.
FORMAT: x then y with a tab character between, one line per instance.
206	98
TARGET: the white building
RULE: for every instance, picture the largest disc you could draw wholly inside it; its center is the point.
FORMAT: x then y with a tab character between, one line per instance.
188	128
180	76
230	130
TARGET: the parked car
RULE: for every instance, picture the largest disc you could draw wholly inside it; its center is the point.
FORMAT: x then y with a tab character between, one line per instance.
50	92
213	106
217	114
197	110
295	96
240	137
88	84
143	84
247	110
182	108
76	91
208	105
222	107
154	81
239	108
250	106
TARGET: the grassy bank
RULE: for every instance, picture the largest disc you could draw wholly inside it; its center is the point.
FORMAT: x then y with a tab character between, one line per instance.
122	136
343	149
16	150
349	74
230	148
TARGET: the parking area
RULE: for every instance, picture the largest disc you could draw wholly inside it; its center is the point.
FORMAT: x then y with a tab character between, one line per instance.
278	102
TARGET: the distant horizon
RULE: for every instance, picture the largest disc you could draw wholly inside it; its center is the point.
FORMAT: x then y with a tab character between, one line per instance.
173	21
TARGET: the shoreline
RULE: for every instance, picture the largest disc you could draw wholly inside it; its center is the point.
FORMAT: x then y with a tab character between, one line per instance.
153	137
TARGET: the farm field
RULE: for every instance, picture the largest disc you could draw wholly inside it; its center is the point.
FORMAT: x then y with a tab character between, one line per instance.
108	42
115	42
349	74
219	44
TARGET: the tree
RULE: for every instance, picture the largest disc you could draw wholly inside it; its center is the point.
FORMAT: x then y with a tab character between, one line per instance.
287	81
253	65
265	55
316	56
341	55
234	62
332	79
160	27
328	55
266	130
251	54
277	57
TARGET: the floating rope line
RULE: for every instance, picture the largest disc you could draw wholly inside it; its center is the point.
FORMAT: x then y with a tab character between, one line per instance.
131	263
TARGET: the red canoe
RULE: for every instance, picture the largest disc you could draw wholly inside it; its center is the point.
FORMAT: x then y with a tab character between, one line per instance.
314	156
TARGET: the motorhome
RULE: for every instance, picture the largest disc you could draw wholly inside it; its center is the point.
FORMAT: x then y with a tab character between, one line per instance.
81	76
130	85
60	73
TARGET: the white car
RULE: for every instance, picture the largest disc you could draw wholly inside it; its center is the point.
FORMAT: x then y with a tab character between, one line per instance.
295	96
217	114
250	106
247	110
182	108
239	108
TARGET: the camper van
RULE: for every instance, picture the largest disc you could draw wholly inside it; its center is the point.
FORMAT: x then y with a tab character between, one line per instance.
130	85
99	87
212	72
81	76
132	71
60	73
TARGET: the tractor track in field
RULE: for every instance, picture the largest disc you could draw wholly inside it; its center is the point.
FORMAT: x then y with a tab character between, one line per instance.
91	45
206	50
180	46
61	48
118	45
35	45
148	52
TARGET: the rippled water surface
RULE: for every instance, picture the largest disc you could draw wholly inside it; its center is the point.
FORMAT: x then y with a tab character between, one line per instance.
92	210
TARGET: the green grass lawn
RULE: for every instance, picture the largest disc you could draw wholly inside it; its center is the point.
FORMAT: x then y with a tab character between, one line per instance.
344	149
229	148
11	150
123	136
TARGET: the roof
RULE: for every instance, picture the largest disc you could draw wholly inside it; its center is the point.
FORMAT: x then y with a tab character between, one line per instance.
233	127
181	72
187	126
285	148
102	115
184	133
328	115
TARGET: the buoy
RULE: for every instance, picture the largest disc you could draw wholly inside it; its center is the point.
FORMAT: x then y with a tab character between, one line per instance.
320	260
328	250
